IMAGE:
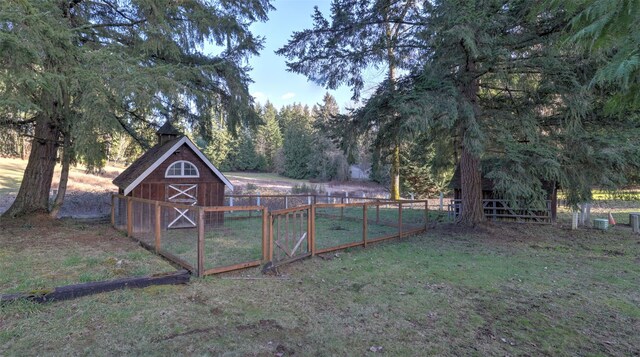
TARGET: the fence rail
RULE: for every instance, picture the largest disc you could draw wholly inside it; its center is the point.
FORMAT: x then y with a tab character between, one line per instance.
212	240
503	209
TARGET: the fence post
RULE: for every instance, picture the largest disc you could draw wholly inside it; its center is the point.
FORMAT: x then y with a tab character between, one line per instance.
364	224
265	234
635	223
231	201
400	219
157	227
258	200
113	210
309	200
309	228
312	216
286	202
426	214
200	241
378	212
341	208
441	200
129	217
270	248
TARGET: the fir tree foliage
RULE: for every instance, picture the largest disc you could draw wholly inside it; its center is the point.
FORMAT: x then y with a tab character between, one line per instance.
269	136
84	69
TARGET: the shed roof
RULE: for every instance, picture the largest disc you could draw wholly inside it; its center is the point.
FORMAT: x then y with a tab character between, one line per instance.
150	160
168	129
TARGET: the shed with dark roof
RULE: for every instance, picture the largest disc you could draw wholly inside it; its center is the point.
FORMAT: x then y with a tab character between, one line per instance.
497	208
175	170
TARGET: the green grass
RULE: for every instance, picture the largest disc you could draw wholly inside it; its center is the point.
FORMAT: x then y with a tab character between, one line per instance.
239	238
11	177
503	290
33	257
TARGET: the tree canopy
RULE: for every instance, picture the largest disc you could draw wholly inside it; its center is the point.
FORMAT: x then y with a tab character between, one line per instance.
81	69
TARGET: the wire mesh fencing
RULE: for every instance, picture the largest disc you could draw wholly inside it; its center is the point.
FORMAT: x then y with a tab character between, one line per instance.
211	240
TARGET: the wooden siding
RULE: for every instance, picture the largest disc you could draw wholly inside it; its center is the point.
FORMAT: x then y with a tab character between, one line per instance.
210	187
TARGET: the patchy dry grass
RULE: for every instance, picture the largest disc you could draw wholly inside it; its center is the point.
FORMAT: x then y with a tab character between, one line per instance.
39	254
79	180
499	290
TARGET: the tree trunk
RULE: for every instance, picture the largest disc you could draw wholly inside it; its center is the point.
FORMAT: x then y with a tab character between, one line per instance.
64	178
33	196
471	180
395	173
472	211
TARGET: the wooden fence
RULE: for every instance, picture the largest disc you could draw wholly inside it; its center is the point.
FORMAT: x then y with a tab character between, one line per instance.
496	209
213	240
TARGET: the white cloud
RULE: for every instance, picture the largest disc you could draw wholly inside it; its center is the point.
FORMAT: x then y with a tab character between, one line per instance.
259	97
288	95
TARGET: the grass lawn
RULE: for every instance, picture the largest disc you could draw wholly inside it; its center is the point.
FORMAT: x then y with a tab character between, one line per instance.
38	255
498	290
12	170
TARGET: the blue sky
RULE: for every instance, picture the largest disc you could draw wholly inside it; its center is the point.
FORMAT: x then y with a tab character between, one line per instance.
270	76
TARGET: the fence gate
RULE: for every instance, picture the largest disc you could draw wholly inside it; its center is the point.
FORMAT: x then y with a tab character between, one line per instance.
290	234
185	194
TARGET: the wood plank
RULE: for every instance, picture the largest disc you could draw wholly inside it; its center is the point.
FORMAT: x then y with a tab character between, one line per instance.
158	228
339	247
84	289
228	268
200	241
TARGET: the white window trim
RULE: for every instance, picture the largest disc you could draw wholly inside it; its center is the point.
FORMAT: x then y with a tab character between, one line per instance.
166	173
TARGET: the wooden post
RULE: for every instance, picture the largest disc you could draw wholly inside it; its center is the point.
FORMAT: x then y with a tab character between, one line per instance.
635	223
157	228
494	211
574	220
309	228
400	219
312	216
113	210
129	217
341	209
426	214
200	241
364	225
378	212
265	235
270	251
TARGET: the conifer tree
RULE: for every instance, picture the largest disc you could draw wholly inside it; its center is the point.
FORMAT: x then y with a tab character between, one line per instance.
76	70
269	136
360	34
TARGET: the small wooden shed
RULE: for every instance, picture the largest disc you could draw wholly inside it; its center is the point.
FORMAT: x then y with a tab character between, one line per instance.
174	170
496	207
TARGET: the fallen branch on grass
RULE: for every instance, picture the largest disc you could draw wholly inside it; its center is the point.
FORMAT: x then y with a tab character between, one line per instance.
73	291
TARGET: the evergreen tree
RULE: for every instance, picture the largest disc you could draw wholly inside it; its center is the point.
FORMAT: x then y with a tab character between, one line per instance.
269	136
219	147
243	155
77	70
360	34
328	162
607	30
296	148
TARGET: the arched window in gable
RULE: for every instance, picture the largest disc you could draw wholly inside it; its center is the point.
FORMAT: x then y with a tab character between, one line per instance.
182	169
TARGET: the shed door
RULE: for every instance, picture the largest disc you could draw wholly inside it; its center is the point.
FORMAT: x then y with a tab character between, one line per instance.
186	194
